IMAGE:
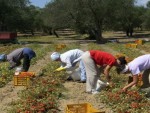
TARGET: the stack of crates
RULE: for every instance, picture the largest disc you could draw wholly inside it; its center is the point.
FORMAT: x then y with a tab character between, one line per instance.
139	42
134	45
120	55
23	79
131	45
123	55
60	47
82	108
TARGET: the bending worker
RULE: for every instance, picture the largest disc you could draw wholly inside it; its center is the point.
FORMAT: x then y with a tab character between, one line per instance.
69	59
91	60
136	67
14	58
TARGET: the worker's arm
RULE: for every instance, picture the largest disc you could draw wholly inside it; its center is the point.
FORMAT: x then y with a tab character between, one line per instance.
106	73
26	63
134	82
68	62
12	64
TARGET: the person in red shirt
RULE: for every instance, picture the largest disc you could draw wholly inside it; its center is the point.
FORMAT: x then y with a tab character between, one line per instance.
91	60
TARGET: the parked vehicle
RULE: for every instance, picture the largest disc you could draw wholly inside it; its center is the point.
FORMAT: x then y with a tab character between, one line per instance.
8	37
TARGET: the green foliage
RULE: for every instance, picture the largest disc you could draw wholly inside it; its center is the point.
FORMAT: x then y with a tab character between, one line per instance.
146	22
121	48
9	13
85	16
42	96
148	4
93	46
5	74
130	102
145	47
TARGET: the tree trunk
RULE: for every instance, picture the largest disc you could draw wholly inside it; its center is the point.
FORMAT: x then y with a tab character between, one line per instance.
98	24
50	31
54	31
127	32
92	35
98	32
131	32
32	32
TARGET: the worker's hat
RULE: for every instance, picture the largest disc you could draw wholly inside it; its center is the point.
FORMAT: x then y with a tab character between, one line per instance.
2	57
55	56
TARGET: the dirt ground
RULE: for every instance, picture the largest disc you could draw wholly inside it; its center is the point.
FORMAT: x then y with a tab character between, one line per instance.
75	94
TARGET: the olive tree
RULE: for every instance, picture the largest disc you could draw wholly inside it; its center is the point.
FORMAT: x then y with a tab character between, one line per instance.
9	13
146	17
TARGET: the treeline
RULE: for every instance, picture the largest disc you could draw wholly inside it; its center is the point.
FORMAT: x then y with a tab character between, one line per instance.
85	16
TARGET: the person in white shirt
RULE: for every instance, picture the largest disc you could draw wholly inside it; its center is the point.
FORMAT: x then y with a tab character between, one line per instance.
69	59
136	67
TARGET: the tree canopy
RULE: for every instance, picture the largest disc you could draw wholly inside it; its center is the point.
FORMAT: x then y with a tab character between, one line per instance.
84	16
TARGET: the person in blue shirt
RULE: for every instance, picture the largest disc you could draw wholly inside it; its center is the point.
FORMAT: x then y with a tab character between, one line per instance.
15	57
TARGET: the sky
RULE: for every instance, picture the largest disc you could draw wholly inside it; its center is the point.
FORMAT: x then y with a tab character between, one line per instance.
42	3
39	3
142	2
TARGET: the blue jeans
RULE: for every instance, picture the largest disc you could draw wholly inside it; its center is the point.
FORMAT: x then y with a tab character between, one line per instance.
82	71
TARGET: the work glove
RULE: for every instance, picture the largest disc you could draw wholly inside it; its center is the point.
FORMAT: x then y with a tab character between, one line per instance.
110	84
59	69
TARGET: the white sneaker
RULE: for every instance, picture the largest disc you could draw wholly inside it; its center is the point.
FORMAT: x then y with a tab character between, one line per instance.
98	88
95	92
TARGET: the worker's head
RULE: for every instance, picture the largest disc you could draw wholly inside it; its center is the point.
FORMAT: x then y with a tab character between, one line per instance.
122	69
55	56
122	60
2	57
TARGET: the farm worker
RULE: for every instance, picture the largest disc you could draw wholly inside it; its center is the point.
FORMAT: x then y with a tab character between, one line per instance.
14	58
68	60
136	67
91	60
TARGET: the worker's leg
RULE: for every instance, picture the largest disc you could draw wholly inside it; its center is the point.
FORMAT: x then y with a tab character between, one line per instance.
83	71
130	79
91	72
146	78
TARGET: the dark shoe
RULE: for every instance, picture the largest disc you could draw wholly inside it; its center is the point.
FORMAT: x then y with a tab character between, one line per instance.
88	92
69	78
82	81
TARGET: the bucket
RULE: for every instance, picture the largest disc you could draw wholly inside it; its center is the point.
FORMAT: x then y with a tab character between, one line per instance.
100	85
74	73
